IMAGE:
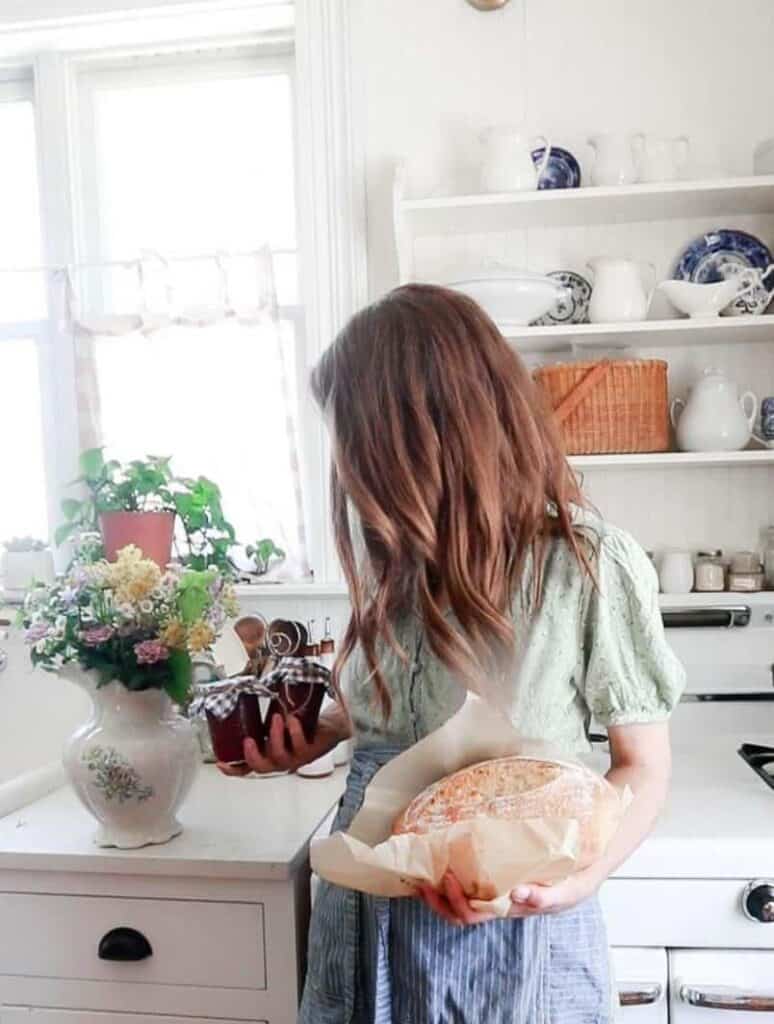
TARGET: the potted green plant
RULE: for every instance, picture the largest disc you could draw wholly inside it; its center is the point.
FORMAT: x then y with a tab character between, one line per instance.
25	560
137	503
127	631
128	504
262	554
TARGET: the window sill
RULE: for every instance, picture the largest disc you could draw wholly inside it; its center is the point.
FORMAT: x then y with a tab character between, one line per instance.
293	589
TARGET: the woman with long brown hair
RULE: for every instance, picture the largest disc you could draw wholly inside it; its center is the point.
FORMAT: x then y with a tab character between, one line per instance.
472	563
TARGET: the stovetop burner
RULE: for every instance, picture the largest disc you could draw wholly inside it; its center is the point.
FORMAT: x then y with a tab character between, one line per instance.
760	759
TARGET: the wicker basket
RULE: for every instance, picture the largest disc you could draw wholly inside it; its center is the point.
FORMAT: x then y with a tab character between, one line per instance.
609	406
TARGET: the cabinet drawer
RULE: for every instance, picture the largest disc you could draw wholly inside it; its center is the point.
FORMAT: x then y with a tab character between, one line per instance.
214	945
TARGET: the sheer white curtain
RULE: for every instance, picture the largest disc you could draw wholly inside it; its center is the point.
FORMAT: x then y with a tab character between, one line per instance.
189	358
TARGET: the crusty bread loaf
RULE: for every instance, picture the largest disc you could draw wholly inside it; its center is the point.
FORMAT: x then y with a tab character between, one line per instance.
517	788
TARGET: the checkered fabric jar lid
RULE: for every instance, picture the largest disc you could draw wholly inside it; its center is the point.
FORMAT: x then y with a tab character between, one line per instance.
220	698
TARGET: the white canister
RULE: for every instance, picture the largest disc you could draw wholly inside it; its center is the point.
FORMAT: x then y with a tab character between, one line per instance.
676	572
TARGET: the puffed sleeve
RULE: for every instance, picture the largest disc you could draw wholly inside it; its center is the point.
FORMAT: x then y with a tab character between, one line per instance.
631	673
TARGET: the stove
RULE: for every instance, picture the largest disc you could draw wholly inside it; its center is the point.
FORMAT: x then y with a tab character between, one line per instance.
691	913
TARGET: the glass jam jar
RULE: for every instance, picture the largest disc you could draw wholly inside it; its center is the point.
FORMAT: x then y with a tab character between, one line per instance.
710	573
233	715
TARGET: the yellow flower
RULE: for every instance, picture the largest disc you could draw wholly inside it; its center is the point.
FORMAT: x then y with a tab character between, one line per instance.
200	637
229	601
132	577
173	635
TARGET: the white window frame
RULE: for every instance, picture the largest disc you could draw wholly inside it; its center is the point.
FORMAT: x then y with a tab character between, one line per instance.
331	225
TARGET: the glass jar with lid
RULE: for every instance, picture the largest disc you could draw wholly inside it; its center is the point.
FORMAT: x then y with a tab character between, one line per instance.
768	557
710	573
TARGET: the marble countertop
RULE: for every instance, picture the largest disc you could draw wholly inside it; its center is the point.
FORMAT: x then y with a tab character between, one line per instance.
252	828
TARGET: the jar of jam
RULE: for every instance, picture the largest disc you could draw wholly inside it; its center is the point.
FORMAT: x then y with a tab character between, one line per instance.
233	714
302	699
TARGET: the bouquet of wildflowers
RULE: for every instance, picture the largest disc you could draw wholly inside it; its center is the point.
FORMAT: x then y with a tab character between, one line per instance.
128	621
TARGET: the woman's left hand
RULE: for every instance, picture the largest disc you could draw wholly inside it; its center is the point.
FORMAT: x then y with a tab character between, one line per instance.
451	903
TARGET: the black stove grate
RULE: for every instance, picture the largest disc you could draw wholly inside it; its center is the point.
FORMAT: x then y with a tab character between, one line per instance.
760	759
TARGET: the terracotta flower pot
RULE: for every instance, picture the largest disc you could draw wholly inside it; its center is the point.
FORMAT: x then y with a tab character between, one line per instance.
151	532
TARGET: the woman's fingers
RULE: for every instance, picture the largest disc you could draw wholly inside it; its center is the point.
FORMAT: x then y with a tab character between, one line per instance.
459	902
437	903
282	759
256	761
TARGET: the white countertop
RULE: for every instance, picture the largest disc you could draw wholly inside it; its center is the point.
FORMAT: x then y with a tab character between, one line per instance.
718	821
252	828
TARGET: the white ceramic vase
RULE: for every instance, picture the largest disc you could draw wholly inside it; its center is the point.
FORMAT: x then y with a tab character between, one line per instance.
132	764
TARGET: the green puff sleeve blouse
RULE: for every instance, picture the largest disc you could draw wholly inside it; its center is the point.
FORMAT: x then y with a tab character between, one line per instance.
586	652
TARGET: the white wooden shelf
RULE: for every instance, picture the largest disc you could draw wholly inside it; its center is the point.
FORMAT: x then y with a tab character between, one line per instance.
724	597
474	214
675	460
645	334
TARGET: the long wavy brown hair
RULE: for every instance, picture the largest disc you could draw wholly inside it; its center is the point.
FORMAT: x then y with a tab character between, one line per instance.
446	453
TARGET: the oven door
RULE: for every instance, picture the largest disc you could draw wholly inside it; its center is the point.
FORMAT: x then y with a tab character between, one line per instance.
641	980
721	986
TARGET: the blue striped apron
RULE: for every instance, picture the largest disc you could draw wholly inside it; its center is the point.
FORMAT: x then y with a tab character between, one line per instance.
379	961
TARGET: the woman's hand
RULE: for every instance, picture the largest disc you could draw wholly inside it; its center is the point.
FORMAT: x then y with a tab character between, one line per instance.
332	728
451	903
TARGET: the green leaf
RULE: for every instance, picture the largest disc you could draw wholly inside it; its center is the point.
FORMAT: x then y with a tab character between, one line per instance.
64	532
71	509
178	683
92	463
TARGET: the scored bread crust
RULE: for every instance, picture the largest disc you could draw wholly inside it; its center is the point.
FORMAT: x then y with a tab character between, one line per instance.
508	788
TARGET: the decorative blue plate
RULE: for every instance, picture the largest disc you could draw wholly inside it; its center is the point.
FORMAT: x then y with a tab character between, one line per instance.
716	255
562	169
574	308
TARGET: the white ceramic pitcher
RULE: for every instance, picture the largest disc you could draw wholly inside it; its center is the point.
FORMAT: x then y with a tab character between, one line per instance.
715	418
508	165
615	158
660	158
619	294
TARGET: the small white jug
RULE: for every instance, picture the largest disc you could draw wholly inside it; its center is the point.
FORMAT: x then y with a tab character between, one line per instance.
619	294
675	573
508	165
714	419
615	158
662	159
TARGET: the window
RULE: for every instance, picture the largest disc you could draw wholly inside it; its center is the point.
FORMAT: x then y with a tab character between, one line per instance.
22	309
159	141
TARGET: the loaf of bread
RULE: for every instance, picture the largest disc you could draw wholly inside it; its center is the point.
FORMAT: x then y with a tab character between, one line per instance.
518	788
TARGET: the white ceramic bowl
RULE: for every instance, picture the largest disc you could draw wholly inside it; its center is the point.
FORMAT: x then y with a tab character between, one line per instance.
513	300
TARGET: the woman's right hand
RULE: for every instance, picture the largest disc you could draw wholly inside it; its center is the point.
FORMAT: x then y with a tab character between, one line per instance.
332	728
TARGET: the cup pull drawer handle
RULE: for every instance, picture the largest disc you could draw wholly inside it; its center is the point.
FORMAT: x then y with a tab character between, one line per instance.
125	945
640	995
727	999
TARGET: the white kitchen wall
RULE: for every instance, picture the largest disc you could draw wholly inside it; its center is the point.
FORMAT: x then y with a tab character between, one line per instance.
14	11
37	710
431	75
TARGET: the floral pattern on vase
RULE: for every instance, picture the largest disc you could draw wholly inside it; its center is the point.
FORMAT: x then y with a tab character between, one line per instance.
114	776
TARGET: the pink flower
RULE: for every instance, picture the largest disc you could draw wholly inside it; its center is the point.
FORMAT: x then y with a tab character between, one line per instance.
38	631
97	635
150	651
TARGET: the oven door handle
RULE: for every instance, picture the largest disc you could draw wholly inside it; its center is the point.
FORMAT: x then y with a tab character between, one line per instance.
726	999
637	994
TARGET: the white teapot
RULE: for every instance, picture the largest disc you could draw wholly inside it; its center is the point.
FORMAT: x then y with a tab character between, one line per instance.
508	165
714	419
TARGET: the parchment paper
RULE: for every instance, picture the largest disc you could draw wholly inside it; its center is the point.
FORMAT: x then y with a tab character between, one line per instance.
507	853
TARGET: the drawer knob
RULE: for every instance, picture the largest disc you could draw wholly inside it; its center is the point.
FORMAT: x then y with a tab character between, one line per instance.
125	945
758	901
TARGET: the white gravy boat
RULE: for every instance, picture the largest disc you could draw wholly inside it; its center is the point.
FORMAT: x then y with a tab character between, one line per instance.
707	300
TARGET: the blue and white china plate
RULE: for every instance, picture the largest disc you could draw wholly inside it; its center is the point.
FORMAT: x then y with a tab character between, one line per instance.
716	255
562	169
572	309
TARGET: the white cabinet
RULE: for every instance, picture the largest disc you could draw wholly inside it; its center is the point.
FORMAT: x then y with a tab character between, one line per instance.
641	980
724	986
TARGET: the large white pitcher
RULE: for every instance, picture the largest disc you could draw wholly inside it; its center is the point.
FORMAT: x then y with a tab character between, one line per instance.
508	165
615	158
619	294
